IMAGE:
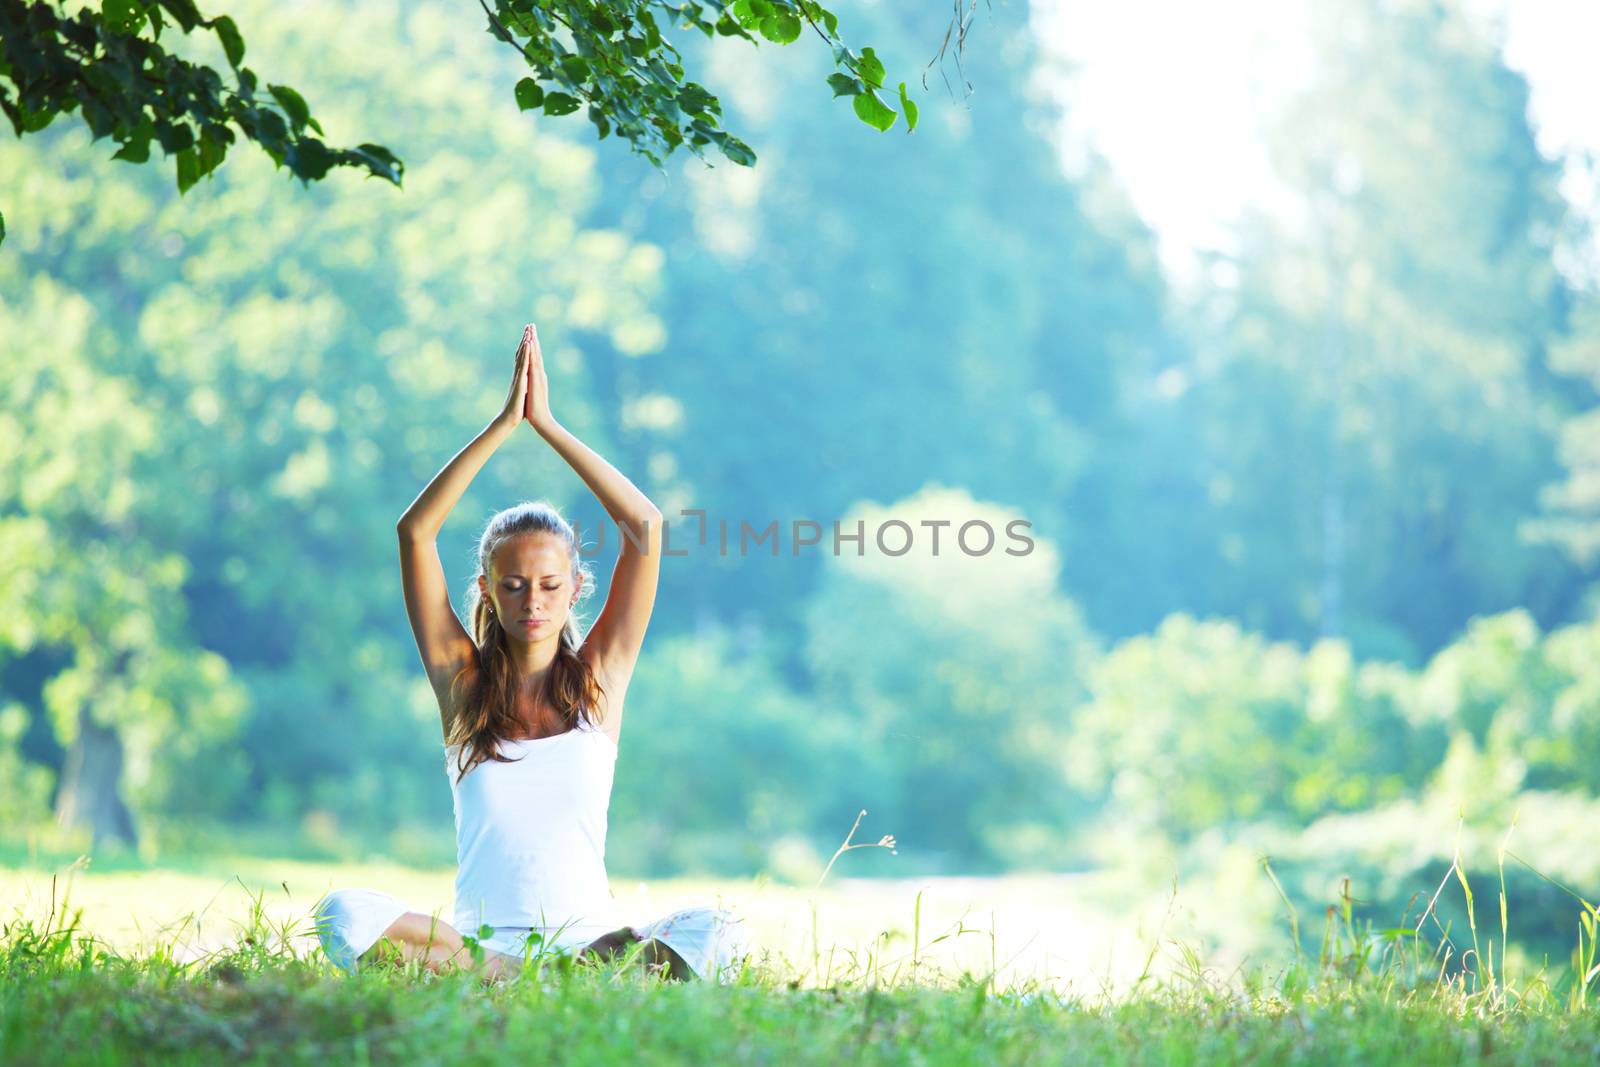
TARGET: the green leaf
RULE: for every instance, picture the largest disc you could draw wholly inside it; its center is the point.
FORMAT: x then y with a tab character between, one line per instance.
2	227
34	121
737	151
188	170
575	67
781	28
844	85
232	43
873	112
136	148
529	94
870	69
694	99
381	162
121	14
559	104
293	104
212	148
815	11
270	125
174	136
909	107
184	12
310	159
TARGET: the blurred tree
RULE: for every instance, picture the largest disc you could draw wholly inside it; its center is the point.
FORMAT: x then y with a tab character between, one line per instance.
1201	724
1525	708
1381	414
866	316
137	703
958	674
722	762
1571	514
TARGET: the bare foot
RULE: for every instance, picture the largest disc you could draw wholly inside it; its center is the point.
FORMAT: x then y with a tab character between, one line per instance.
656	956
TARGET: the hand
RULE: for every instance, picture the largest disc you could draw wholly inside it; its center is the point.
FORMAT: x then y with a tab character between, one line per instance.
517	398
536	407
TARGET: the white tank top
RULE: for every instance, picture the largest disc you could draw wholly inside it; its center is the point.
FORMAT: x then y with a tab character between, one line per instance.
531	835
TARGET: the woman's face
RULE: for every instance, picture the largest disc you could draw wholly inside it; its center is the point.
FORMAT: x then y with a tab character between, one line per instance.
531	586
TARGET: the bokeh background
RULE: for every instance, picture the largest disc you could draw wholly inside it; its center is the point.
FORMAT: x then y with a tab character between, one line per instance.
1276	323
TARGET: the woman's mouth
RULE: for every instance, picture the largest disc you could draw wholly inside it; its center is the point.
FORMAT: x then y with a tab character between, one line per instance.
532	623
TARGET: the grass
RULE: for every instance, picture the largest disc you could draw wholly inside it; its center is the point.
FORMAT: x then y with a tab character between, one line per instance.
225	970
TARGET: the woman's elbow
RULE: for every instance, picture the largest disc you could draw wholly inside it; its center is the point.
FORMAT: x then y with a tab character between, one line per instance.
643	529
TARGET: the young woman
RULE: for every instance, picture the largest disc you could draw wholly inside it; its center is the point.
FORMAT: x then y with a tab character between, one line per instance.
532	717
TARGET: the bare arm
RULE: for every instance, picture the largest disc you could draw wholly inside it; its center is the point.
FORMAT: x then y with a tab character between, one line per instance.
622	499
613	643
424	518
444	643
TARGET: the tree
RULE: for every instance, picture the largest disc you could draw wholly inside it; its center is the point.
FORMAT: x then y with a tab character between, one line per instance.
1375	417
956	308
137	703
611	59
958	671
1202	724
214	409
1571	516
109	63
724	764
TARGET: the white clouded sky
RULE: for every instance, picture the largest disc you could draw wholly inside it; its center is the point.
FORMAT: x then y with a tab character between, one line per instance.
1174	94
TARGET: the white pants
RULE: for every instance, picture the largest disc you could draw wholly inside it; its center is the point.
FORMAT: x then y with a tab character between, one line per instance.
712	941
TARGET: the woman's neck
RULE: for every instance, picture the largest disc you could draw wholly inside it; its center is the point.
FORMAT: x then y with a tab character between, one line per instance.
533	663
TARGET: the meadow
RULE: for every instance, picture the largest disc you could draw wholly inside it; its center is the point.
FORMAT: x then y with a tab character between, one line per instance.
192	963
1290	705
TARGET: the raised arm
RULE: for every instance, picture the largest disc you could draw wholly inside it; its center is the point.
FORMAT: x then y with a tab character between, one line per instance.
612	644
444	643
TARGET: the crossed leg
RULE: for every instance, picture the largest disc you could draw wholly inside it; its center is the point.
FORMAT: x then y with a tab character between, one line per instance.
439	947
